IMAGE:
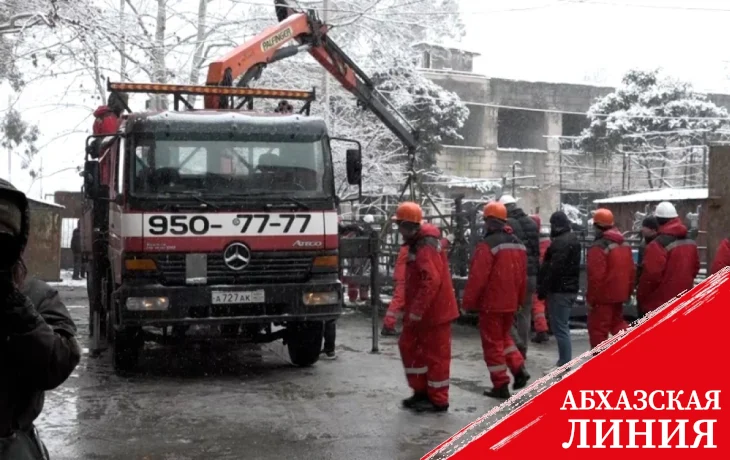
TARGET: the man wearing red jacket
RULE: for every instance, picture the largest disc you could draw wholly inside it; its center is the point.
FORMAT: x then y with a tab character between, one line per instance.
611	271
671	261
496	288
395	308
430	307
539	321
722	257
106	121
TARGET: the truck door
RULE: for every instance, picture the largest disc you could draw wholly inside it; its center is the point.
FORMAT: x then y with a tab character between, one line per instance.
116	207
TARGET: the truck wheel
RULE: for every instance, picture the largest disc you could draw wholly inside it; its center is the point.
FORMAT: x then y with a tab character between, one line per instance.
126	347
305	343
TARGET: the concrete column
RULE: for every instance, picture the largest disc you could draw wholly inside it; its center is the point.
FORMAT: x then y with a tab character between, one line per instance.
553	127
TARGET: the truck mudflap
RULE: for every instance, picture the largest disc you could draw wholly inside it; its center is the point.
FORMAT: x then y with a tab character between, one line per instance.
158	305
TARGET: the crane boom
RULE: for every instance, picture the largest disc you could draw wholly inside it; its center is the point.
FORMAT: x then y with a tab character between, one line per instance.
247	61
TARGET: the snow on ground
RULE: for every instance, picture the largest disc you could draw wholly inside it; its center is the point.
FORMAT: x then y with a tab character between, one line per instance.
67	280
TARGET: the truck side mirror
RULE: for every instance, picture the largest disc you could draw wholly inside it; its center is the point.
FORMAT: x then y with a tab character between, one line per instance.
354	166
91	179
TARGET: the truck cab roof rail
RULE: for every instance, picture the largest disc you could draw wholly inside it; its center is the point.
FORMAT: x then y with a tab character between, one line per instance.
247	94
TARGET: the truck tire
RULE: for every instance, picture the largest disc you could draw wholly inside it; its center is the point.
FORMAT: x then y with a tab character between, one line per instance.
305	343
90	295
126	348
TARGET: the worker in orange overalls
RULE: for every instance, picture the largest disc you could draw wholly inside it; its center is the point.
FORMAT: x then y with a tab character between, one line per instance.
611	272
395	308
496	287
539	321
430	307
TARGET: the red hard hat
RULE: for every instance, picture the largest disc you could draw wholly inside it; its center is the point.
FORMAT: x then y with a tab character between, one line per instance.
409	211
495	209
603	217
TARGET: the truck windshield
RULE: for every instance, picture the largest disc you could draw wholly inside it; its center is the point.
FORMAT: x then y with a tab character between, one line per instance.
223	167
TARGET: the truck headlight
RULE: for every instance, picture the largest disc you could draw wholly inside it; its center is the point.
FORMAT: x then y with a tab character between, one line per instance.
320	298
147	303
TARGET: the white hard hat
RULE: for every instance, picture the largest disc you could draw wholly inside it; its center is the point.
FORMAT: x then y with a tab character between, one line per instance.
368	218
507	199
665	210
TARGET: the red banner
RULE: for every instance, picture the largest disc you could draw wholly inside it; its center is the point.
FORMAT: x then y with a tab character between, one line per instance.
653	391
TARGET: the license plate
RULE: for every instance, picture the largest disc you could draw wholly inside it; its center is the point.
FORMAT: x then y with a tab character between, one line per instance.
234	297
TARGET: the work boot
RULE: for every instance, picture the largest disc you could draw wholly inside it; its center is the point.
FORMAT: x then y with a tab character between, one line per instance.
498	393
425	405
409	403
387	332
541	337
521	379
329	355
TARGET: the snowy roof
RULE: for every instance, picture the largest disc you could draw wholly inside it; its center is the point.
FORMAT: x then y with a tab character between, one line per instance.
449	45
46	203
666	194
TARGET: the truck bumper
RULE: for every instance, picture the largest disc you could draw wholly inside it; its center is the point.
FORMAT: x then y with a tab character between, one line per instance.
193	304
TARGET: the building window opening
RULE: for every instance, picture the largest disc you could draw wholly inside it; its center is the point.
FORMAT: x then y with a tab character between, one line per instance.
574	124
521	130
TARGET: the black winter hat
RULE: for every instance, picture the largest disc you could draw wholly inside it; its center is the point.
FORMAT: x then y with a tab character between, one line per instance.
14	216
559	220
650	222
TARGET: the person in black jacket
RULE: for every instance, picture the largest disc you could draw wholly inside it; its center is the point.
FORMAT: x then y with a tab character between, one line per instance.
38	349
649	231
527	231
76	251
558	281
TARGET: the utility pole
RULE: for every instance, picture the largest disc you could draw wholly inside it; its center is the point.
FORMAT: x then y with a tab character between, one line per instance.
325	74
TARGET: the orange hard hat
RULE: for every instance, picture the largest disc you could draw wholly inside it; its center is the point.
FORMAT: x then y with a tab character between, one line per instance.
495	209
409	211
603	217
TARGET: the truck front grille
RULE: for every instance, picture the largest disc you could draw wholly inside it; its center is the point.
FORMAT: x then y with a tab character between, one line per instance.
263	268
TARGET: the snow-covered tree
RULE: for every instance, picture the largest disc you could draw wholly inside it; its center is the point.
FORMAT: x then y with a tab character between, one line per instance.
654	120
437	114
19	137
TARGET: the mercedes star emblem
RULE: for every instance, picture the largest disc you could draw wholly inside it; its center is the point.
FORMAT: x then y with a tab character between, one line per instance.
237	256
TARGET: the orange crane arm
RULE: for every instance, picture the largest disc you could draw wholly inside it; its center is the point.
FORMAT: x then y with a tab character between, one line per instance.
247	61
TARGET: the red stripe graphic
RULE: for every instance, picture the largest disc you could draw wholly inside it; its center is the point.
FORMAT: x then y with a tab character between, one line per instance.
663	376
213	244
